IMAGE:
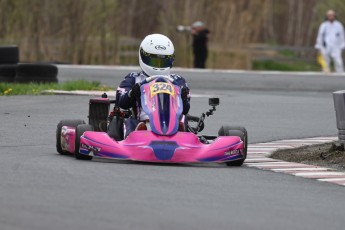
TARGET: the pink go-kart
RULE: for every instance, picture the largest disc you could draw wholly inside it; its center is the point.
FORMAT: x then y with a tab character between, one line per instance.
169	136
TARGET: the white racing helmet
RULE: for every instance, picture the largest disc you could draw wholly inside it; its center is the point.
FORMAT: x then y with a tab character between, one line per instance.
156	55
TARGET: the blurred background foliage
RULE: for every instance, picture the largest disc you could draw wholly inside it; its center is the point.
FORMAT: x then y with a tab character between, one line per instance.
96	31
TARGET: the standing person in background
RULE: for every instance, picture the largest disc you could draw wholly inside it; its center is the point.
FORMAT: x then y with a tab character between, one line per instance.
200	38
331	41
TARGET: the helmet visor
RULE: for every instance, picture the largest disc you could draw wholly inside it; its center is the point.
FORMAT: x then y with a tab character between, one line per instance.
156	60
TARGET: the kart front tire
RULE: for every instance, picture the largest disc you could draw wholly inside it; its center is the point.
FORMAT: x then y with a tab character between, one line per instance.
241	132
71	123
78	133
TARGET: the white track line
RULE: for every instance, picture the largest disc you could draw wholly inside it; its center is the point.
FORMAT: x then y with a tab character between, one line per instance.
299	169
269	146
273	163
270	166
261	149
291	141
259	159
332	179
319	174
255	152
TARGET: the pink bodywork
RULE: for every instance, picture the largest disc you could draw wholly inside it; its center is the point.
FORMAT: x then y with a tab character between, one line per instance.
150	105
183	147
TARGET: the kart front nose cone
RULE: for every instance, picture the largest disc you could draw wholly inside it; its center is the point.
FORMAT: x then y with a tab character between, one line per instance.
163	150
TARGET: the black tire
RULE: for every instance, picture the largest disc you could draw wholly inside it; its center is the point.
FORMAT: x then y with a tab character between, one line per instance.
98	116
79	132
9	54
7	73
236	131
40	73
72	123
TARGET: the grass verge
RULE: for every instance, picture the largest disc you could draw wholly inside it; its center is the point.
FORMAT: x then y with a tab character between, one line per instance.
36	88
281	66
326	155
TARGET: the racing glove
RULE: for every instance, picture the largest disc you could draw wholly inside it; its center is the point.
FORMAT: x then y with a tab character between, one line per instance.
135	91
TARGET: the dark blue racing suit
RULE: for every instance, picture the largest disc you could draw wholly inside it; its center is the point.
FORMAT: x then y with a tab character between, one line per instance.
125	102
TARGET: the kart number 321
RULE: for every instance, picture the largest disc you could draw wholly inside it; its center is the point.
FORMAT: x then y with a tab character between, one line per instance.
161	87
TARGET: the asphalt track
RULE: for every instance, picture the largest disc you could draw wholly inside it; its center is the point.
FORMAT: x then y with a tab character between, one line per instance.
219	80
40	189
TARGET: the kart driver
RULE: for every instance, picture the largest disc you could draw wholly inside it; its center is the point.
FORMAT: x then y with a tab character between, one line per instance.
156	57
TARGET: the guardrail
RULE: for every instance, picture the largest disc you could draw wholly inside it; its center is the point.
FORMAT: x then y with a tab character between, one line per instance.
339	105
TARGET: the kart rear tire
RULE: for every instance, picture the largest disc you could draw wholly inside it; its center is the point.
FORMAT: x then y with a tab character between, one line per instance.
79	132
71	123
241	132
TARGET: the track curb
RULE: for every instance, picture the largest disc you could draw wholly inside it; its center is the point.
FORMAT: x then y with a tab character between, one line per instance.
259	157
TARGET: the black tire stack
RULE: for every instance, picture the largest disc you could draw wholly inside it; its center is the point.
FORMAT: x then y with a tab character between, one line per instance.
9	57
39	73
11	71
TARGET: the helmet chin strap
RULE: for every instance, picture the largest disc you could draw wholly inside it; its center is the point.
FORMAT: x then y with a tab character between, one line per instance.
144	73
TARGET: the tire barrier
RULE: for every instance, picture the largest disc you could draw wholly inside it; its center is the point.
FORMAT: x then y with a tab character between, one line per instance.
7	73
39	73
9	57
11	71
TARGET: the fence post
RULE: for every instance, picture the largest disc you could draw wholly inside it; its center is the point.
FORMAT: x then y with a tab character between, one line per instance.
339	105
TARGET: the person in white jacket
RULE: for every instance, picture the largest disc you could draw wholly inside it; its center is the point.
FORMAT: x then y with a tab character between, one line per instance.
331	41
